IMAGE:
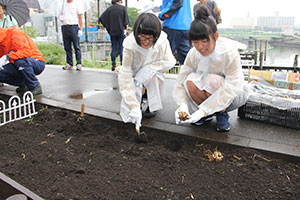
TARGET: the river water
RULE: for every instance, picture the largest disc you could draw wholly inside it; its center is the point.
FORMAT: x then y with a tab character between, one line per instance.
281	55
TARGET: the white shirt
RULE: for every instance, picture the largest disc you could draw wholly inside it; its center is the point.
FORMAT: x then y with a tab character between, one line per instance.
70	12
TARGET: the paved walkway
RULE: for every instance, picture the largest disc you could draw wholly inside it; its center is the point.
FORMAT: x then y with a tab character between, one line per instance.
98	90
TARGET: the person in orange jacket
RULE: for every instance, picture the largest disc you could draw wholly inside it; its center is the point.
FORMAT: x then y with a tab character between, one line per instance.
21	61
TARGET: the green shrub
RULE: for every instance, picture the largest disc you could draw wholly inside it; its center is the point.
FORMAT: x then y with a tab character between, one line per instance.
30	31
53	53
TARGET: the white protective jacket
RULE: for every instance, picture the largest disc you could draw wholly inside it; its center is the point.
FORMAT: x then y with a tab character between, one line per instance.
224	61
143	67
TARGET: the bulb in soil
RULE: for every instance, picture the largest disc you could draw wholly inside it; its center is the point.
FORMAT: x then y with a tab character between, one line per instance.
183	116
218	156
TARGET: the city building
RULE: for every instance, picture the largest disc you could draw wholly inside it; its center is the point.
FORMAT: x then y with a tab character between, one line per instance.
247	22
276	21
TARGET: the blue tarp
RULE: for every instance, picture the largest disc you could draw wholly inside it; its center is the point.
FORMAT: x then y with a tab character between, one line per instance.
92	33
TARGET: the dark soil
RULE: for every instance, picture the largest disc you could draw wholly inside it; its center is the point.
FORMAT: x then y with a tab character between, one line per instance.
59	157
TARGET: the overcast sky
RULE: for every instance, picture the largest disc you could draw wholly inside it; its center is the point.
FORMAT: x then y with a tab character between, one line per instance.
240	8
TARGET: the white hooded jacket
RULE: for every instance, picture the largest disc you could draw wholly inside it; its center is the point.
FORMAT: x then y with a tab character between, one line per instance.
157	59
224	61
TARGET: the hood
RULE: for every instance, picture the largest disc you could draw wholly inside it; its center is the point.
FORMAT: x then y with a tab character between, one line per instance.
224	45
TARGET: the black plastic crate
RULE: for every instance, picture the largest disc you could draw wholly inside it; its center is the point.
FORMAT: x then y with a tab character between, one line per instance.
258	111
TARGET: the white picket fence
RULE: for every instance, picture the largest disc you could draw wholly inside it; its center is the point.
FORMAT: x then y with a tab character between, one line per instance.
17	109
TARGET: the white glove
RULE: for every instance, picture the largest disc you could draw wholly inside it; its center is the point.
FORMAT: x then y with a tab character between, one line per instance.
144	75
61	18
136	116
3	60
79	33
196	116
182	108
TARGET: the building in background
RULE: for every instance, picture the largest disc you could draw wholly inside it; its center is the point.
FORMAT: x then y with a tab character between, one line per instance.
247	22
276	21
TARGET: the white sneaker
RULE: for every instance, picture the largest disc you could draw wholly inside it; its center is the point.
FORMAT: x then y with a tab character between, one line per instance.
78	67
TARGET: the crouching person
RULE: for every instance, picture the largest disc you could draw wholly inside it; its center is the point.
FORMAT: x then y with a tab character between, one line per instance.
211	81
20	61
147	55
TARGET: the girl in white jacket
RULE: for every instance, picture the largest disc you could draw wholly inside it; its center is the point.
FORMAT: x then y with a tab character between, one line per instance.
146	56
211	79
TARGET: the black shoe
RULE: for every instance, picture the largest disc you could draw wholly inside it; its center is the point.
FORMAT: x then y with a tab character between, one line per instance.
145	107
113	67
148	114
22	89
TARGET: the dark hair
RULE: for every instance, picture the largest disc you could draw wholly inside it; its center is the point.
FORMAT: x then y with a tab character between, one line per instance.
115	1
203	25
3	6
147	23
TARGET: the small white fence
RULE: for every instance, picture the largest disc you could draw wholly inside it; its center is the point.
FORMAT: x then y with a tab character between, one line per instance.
17	109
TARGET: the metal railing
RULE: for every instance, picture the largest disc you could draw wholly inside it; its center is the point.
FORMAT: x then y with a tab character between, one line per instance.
17	109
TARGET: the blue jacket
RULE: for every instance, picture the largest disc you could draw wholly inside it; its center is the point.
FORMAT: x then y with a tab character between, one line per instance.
176	14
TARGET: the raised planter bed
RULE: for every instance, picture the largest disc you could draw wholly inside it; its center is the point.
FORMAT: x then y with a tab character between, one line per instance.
9	189
59	157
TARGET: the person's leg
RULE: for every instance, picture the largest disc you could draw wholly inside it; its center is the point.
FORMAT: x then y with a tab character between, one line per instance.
76	44
173	40
113	53
29	68
199	93
121	40
239	101
10	75
198	96
67	40
151	98
183	47
195	93
213	83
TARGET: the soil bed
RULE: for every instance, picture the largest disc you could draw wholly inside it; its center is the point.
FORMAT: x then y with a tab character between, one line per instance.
59	157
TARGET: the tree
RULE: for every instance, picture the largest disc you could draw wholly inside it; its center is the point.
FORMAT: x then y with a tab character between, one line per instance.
133	13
